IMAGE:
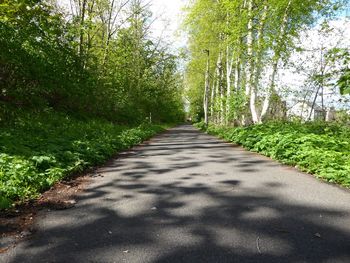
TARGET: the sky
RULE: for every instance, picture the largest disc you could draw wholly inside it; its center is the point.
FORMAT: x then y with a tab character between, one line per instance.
313	42
169	14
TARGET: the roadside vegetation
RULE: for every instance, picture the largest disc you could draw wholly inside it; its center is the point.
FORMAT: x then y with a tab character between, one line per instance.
38	150
251	61
318	148
82	79
273	77
78	84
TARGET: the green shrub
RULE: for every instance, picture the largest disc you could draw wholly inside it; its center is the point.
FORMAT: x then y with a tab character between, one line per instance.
37	151
320	148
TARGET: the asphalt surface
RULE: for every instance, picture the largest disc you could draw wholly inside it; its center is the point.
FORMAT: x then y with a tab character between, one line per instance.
189	197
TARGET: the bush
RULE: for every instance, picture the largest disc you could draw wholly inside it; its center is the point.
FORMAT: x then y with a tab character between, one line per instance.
37	151
322	149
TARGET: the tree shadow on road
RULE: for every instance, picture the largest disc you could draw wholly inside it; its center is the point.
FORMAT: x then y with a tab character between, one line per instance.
146	219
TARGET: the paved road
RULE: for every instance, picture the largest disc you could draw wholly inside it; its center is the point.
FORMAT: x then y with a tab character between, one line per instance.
188	197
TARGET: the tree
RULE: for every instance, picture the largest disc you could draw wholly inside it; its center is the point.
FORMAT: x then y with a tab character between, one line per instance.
98	60
252	38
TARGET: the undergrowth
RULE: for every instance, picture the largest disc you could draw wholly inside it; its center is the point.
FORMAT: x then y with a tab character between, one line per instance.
38	150
322	149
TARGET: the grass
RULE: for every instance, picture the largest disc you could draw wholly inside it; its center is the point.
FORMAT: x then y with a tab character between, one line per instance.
38	150
322	149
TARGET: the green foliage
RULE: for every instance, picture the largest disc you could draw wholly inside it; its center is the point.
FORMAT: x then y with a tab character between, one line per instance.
344	82
237	105
341	56
91	73
74	66
37	64
319	148
38	150
250	39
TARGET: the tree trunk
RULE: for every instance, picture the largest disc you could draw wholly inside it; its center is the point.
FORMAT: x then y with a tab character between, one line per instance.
249	66
237	77
206	91
229	67
271	90
313	104
255	116
215	89
212	100
249	60
108	33
221	89
82	22
277	56
257	69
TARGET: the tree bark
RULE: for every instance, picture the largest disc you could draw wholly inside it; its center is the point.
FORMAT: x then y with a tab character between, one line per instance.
313	104
215	89
229	67
249	60
82	6
253	109
206	90
277	56
212	100
257	69
222	90
249	66
237	77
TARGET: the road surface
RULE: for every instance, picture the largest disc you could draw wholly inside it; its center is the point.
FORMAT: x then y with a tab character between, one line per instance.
188	197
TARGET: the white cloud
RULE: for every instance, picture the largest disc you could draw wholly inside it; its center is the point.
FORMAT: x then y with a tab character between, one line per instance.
169	17
315	44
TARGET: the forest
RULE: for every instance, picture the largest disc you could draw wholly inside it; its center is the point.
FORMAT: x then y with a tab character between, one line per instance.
78	86
83	79
243	50
273	76
179	131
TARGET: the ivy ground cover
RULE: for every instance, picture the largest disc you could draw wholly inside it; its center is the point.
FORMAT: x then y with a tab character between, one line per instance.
38	150
321	149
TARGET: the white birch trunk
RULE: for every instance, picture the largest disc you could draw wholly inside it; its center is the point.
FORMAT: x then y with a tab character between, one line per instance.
215	89
257	69
277	56
249	63
253	110
271	86
222	92
212	100
249	66
237	77
229	67
206	91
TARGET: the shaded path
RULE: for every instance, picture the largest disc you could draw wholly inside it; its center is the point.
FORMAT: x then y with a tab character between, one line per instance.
188	197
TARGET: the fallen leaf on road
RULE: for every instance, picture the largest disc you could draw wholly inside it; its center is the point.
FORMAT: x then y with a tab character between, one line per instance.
318	235
3	250
25	234
282	230
71	202
257	244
